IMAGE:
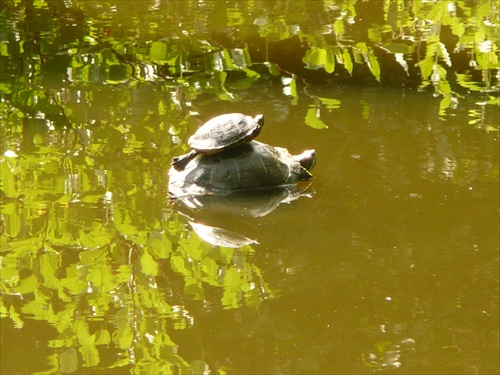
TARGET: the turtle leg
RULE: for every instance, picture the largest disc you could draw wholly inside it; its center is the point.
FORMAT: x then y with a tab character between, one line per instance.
180	162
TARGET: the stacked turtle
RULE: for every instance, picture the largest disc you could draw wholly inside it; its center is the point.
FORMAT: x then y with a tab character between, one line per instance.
225	158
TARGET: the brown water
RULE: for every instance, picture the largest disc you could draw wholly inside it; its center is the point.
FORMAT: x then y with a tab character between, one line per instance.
388	262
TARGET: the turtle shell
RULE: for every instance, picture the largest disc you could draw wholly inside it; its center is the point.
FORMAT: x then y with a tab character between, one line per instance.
253	165
219	133
225	131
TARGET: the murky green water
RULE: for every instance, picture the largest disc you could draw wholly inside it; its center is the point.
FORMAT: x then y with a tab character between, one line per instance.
387	261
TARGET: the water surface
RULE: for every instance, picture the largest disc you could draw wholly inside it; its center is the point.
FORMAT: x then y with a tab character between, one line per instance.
386	262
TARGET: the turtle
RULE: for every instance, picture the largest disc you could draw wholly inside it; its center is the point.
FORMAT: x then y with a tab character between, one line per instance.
250	166
220	133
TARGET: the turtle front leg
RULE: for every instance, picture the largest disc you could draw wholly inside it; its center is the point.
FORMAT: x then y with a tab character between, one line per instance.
180	162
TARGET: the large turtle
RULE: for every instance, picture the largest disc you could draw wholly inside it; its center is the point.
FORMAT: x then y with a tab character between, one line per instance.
250	166
220	133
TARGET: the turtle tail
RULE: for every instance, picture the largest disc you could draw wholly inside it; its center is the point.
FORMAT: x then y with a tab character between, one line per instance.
180	162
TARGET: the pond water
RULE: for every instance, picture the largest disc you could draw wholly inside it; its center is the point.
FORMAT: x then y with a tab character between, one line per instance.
386	261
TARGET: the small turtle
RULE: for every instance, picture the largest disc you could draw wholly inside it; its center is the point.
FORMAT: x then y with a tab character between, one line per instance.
220	133
250	166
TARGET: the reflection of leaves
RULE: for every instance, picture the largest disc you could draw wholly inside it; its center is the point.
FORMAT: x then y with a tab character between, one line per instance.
347	60
289	87
329	103
444	104
487	60
49	263
67	360
274	29
90	355
329	61
313	120
149	265
325	58
194	290
14	316
124	335
27	285
374	66
164	53
102	337
443	53
370	59
338	28
9	275
160	247
273	70
232	288
494	100
73	283
315	57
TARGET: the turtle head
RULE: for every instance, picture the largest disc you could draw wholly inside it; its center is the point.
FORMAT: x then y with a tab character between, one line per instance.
259	119
307	161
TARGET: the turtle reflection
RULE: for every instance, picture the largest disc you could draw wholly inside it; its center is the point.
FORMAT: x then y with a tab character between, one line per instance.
220	237
222	220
